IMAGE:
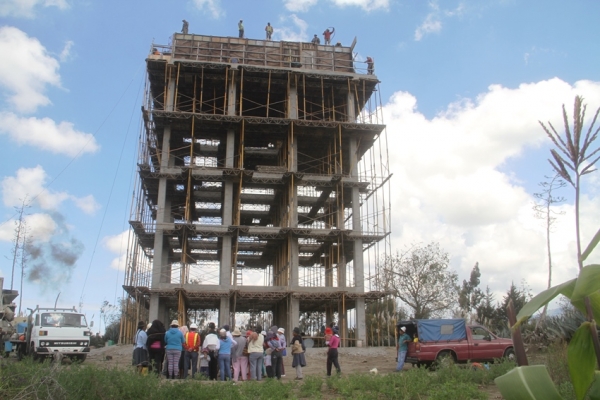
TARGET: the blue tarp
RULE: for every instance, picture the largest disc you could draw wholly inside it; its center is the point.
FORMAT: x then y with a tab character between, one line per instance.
441	329
21	326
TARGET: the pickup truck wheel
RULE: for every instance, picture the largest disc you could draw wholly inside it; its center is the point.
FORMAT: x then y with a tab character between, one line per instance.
444	359
510	354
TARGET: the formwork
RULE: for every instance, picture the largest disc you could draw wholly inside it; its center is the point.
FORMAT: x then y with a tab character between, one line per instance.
263	183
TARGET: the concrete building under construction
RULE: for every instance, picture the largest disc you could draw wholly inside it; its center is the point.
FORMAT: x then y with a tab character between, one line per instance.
263	185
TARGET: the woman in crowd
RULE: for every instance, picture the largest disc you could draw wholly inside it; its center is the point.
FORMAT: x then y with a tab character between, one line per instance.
255	355
155	344
332	354
238	358
140	351
298	350
174	345
283	346
210	347
275	347
226	344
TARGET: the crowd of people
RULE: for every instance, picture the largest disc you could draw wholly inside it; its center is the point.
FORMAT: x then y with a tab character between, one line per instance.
175	350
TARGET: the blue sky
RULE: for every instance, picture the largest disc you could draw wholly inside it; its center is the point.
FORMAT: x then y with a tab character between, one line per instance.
463	86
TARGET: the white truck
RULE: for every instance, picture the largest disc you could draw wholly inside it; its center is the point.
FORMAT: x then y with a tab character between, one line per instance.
58	331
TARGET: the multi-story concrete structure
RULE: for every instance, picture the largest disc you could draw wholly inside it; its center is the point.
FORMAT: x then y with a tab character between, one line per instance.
263	182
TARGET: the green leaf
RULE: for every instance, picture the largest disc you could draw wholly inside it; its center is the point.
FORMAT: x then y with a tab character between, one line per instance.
544	298
594	393
591	246
582	360
527	383
588	282
595	303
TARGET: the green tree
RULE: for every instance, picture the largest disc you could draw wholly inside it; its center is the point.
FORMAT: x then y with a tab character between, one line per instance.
420	277
470	296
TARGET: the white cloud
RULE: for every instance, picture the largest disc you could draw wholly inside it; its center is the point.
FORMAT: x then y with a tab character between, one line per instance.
299	5
65	54
117	244
46	134
87	204
433	20
432	24
367	5
29	183
297	33
40	228
26	70
451	185
26	8
212	7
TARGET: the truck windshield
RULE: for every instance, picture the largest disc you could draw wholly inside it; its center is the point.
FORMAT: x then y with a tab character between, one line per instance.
59	319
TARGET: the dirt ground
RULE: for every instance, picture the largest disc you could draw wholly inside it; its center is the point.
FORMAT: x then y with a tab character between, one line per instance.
352	360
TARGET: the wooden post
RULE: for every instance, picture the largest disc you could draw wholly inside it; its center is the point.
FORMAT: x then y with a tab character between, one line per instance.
516	335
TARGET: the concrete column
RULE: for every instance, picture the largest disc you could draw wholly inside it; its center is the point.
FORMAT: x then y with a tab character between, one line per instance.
350	108
361	326
294	276
293	316
224	311
232	93
292	108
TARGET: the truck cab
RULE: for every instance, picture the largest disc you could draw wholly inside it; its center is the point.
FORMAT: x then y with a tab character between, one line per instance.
58	330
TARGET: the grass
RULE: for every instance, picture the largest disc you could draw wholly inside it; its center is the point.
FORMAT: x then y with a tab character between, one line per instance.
30	380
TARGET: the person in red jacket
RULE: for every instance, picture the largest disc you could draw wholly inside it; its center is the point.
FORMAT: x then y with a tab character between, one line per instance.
191	349
332	353
327	35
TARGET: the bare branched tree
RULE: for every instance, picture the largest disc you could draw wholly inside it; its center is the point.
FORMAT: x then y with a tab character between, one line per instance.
421	279
543	210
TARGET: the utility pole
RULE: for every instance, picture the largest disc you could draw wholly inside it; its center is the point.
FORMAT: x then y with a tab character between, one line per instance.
17	241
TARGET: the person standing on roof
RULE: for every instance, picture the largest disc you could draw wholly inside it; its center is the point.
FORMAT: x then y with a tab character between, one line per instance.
327	35
370	65
315	40
184	28
402	348
269	30
241	28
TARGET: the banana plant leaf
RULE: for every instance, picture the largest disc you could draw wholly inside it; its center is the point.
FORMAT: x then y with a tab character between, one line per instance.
527	383
594	302
591	246
594	393
587	283
582	360
544	298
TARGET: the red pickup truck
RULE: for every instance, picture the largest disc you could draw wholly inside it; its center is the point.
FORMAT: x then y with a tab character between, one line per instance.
453	339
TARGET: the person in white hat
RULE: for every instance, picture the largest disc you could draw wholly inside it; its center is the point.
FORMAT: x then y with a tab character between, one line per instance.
283	345
174	345
239	360
192	349
402	347
210	348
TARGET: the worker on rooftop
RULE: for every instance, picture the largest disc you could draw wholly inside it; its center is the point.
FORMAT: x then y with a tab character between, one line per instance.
315	40
327	35
370	65
184	28
269	30
241	28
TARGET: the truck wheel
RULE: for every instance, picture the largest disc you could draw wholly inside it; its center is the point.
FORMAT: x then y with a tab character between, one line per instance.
510	354
444	359
81	357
